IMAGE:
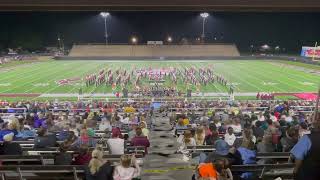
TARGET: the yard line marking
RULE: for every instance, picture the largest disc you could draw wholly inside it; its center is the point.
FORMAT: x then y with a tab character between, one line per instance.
34	80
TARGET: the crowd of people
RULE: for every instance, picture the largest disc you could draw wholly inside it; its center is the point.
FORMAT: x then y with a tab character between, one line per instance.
238	136
76	131
237	130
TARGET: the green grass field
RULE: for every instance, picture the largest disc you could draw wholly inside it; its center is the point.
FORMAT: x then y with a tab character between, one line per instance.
246	76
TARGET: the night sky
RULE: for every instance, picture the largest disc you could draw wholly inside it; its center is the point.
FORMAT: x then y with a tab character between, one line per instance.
288	30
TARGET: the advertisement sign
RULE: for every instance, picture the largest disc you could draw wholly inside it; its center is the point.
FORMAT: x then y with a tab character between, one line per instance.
310	52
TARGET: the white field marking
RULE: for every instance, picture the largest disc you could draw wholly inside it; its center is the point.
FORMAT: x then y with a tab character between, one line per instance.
245	82
307	83
233	84
30	76
255	72
41	84
269	83
281	82
217	87
87	72
25	72
5	84
90	70
34	80
293	74
61	75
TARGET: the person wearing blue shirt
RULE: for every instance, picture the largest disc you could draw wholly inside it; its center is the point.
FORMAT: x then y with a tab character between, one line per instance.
306	155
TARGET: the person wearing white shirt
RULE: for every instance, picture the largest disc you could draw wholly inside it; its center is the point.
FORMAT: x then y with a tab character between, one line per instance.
105	125
128	168
230	137
116	145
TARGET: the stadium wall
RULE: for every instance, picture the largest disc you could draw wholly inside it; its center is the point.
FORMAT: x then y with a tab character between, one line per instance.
154	51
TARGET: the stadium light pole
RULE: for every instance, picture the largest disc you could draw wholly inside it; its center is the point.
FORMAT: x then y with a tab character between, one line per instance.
204	16
105	16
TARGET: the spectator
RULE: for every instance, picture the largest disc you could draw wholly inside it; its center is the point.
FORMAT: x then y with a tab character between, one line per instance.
145	131
290	139
116	144
64	133
44	140
200	136
98	169
132	132
303	129
128	168
63	157
7	129
84	157
211	138
306	155
10	148
86	137
229	137
105	125
186	140
140	140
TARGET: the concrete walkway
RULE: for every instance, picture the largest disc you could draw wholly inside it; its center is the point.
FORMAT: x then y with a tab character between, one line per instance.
162	163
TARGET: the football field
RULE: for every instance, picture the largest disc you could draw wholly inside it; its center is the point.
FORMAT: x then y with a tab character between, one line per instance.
245	76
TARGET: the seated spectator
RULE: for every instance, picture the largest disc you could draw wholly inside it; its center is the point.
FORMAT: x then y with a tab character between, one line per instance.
63	157
229	137
145	131
140	140
10	148
236	126
290	139
248	156
132	132
86	137
105	125
64	133
44	140
98	169
200	136
26	133
257	131
214	170
211	138
116	144
7	129
84	157
38	120
186	140
128	168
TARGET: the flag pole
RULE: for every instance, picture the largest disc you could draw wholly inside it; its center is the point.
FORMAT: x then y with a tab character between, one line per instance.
316	110
314	51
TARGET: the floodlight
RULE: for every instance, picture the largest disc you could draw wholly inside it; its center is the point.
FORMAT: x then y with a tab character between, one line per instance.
169	39
134	40
204	15
105	14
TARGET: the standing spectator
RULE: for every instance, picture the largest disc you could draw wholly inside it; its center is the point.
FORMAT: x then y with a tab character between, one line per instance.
306	155
98	169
